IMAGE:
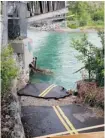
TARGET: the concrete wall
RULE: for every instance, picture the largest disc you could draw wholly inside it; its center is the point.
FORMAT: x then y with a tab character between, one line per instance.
15	110
28	55
22	11
21	47
4	24
18	46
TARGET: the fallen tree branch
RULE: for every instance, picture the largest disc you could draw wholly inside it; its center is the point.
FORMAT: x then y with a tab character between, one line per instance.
44	71
79	70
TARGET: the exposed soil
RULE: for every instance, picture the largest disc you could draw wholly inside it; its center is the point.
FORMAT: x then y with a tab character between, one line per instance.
32	101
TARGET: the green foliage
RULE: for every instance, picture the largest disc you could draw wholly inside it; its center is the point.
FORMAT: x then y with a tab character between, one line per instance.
84	19
98	15
8	68
86	13
72	25
92	57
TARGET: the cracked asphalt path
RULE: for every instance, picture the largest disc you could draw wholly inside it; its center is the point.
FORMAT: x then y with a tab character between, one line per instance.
42	117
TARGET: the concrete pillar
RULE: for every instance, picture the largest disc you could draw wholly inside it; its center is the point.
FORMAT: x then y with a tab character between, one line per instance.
32	4
34	7
37	7
4	33
30	8
22	9
44	6
48	6
41	6
55	5
52	5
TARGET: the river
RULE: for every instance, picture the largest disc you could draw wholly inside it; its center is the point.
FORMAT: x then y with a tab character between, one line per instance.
54	51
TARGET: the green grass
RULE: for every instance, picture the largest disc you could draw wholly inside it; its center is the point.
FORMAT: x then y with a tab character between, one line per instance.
91	25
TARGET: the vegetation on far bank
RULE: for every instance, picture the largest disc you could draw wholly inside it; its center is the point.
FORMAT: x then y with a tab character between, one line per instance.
9	69
85	15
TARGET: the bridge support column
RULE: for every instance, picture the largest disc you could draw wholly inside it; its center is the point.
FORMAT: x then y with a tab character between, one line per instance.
40	7
51	8
22	10
4	33
48	6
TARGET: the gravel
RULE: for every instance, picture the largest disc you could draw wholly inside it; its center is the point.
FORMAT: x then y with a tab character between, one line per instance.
31	101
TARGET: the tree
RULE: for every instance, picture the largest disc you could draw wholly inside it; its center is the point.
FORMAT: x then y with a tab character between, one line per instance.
87	13
92	57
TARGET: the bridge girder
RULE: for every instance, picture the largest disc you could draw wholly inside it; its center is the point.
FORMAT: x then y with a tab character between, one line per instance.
40	7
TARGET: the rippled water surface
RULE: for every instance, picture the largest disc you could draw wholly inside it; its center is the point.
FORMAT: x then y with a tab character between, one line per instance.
54	51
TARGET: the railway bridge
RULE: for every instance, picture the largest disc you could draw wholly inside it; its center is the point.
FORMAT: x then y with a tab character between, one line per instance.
16	15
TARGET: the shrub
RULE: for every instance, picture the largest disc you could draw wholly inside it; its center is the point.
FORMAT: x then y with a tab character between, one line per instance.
98	15
9	69
72	25
82	22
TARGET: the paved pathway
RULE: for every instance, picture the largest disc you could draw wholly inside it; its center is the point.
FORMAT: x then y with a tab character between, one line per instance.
57	120
43	90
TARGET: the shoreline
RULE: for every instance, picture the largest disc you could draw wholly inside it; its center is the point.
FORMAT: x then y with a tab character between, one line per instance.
78	30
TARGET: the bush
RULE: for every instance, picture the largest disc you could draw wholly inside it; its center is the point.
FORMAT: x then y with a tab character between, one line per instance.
98	15
72	25
84	19
9	69
82	22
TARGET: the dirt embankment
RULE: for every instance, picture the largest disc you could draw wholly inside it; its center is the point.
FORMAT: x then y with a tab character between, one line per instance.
11	125
90	93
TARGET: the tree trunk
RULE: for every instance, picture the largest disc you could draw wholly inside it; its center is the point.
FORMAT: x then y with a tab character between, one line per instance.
89	70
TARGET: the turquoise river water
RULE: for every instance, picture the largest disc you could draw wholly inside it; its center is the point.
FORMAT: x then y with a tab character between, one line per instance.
54	52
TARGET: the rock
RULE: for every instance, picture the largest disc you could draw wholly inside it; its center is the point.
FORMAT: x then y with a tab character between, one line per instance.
7	116
21	84
9	123
75	93
74	97
5	129
70	92
26	79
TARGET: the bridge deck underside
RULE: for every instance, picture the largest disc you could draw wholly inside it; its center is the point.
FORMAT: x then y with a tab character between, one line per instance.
40	7
50	15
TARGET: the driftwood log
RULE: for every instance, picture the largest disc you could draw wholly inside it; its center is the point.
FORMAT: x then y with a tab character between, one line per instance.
44	71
